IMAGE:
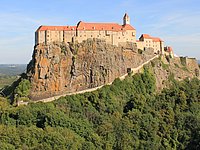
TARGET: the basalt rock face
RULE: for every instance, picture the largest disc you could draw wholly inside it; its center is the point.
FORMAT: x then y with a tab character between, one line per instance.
60	68
177	68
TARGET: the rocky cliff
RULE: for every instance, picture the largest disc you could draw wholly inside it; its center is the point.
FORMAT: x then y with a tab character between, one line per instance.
177	68
59	68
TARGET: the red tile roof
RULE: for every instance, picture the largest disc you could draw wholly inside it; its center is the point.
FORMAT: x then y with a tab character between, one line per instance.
155	39
99	26
169	49
147	36
103	26
56	28
89	26
128	27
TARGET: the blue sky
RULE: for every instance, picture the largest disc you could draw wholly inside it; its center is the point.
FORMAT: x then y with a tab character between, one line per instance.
177	22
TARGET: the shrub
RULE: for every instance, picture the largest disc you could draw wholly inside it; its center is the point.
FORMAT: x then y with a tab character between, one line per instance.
165	66
140	51
23	89
176	65
183	61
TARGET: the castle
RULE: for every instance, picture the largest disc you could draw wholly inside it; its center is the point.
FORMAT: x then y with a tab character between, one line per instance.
112	33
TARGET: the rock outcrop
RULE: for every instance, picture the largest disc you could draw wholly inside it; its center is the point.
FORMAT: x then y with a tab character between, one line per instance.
59	68
62	68
177	68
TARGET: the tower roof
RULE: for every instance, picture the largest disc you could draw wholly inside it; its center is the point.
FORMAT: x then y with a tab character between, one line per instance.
126	15
103	26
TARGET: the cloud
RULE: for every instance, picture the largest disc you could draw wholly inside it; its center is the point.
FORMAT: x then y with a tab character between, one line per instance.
16	23
187	45
188	39
178	28
183	22
16	38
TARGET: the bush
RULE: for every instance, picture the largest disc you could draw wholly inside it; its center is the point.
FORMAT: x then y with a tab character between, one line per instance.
183	60
23	89
176	65
165	66
140	51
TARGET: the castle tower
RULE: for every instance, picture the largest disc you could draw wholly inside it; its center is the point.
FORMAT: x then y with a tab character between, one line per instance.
126	19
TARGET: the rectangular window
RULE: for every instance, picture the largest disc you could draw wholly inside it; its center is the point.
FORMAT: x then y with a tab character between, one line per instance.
107	33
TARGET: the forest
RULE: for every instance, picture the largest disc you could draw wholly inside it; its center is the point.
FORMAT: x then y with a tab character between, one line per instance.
126	115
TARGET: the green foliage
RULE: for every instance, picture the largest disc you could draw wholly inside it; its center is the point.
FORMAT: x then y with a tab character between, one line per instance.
176	65
164	66
140	51
74	47
129	114
183	60
171	78
23	88
185	68
63	48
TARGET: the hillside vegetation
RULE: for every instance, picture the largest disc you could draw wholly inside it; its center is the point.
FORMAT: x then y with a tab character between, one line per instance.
7	80
12	69
10	73
127	115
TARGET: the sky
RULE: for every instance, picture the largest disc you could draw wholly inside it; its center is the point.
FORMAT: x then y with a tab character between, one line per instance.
177	22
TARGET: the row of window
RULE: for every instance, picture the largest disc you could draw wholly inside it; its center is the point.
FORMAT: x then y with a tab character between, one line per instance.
80	32
150	41
48	35
150	45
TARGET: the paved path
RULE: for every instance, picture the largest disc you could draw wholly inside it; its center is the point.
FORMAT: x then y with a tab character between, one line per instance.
134	71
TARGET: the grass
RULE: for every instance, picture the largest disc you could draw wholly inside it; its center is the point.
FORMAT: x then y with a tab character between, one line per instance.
185	68
165	66
176	65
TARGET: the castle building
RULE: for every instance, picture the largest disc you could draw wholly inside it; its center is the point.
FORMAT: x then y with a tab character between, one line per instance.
146	41
112	33
169	51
